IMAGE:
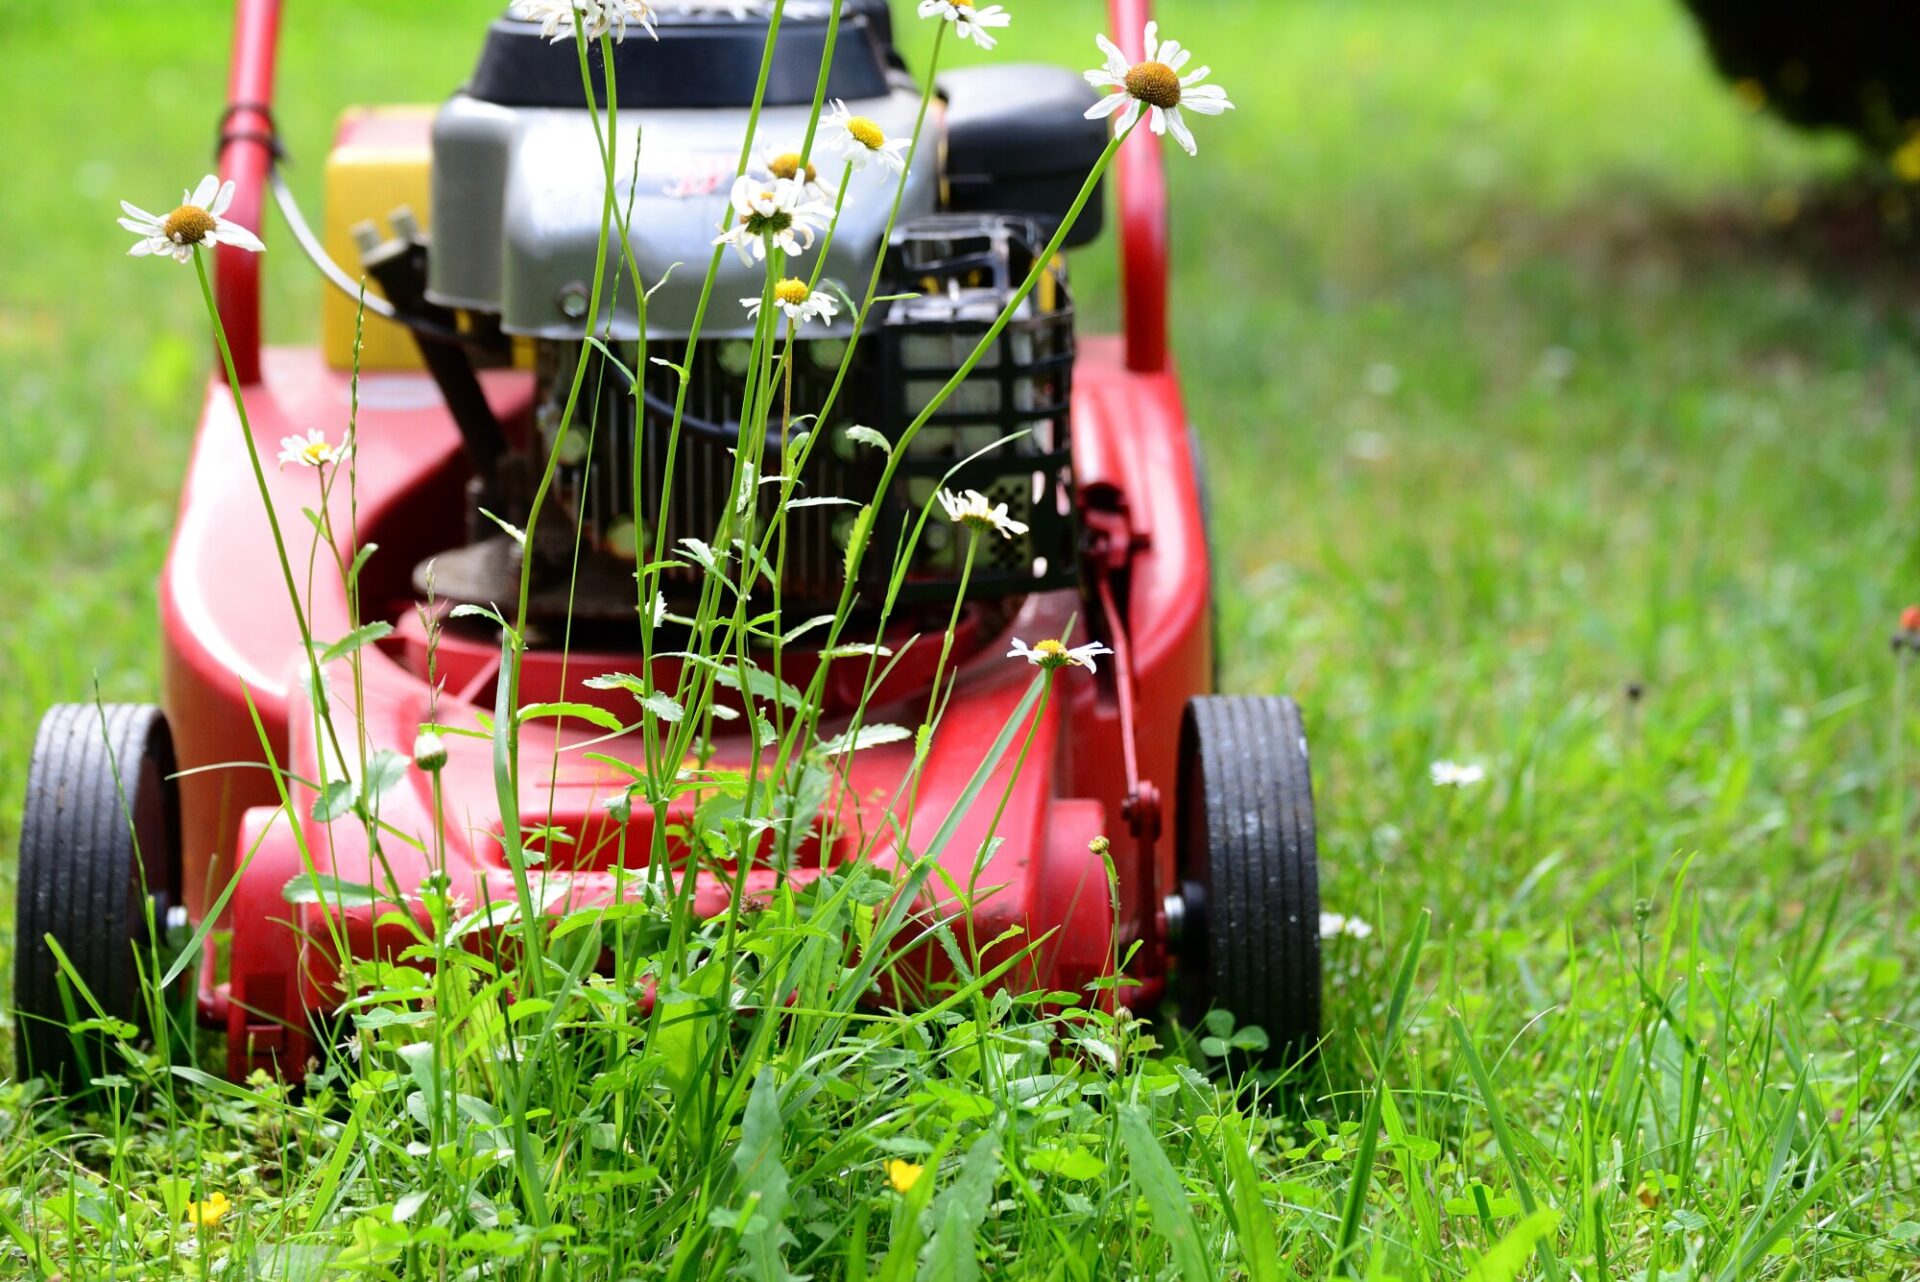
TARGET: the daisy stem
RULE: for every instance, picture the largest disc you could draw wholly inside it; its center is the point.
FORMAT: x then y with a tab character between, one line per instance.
1900	803
266	495
953	624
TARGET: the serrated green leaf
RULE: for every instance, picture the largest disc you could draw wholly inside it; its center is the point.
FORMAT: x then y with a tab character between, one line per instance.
335	799
385	769
319	888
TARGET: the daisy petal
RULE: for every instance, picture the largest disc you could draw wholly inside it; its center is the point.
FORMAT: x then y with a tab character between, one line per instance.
1181	133
204	193
1098	111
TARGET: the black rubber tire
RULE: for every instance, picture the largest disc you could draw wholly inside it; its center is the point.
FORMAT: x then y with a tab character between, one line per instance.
1250	937
85	881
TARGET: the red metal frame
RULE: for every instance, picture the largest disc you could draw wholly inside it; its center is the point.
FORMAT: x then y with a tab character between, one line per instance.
225	657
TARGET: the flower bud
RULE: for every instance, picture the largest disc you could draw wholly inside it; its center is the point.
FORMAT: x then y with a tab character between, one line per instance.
430	752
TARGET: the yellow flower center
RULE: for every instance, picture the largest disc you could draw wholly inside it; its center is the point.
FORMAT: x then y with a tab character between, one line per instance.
792	292
963	4
317	452
187	225
1053	650
867	133
1156	84
787	165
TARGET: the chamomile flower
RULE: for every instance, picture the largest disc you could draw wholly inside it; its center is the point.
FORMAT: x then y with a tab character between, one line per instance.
1455	774
774	210
594	18
1337	925
800	302
311	450
861	139
980	514
197	221
969	20
1156	87
786	164
1055	654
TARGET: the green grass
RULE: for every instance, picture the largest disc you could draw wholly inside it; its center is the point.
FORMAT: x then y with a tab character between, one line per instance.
1517	391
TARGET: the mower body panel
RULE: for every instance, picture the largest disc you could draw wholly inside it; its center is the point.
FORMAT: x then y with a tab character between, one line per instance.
235	681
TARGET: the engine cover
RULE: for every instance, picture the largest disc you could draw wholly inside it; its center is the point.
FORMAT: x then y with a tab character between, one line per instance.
518	192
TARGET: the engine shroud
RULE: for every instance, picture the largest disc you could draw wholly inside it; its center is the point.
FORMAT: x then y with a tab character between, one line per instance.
519	194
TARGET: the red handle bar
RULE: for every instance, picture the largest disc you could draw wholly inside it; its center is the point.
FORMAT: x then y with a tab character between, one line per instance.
246	157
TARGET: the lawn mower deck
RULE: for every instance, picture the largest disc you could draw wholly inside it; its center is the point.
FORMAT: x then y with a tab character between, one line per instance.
1205	800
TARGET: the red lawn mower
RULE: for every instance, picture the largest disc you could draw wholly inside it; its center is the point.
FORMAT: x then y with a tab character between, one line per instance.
469	352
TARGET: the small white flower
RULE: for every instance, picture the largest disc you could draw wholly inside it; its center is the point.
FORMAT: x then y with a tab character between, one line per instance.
777	210
1055	654
197	221
1335	925
1454	774
969	20
311	450
979	513
1155	86
800	303
595	18
861	139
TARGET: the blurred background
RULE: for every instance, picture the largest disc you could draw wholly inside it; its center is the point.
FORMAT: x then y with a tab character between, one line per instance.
1560	403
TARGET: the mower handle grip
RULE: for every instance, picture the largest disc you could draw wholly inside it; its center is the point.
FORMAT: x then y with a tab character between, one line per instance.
246	157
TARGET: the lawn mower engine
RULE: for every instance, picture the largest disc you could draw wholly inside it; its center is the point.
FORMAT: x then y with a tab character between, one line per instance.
1143	818
518	199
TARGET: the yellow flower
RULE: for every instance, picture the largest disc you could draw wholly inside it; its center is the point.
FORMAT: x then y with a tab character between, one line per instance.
902	1174
210	1212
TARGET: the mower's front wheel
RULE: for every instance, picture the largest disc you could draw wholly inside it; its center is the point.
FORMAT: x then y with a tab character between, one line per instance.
99	872
1249	903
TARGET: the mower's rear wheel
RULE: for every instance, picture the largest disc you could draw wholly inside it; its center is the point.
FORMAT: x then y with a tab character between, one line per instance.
1250	892
99	860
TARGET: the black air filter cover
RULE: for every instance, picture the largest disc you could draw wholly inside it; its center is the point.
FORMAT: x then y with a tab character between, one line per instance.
1019	142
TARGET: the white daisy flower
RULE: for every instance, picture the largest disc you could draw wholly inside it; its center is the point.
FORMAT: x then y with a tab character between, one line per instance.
198	221
979	513
786	164
595	18
969	20
311	450
1055	654
1336	925
799	302
1156	87
1455	774
860	139
776	210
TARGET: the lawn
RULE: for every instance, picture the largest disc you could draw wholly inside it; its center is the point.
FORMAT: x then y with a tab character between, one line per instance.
1560	414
